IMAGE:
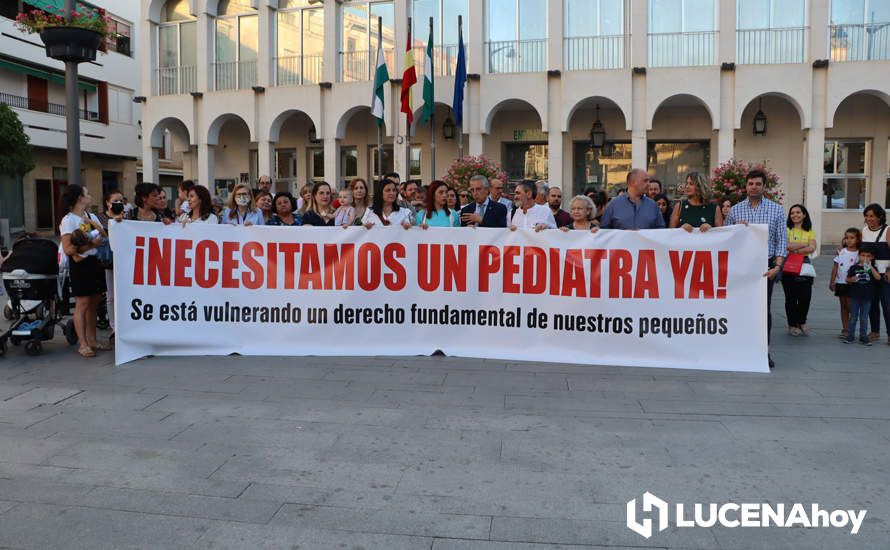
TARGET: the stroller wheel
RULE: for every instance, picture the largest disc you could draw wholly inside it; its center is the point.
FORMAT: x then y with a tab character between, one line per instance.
70	333
8	314
33	347
2	348
102	324
15	340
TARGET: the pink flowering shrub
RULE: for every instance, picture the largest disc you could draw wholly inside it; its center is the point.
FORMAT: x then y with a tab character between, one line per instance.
35	21
728	180
462	169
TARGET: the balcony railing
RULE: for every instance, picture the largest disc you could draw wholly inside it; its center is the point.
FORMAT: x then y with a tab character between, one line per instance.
444	59
770	46
516	56
867	42
31	104
358	65
682	49
295	70
177	80
582	53
234	75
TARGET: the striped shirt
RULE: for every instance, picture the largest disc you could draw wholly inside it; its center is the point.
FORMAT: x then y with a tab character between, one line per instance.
768	213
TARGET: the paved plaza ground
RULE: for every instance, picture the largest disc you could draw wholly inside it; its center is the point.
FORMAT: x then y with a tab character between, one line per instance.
437	453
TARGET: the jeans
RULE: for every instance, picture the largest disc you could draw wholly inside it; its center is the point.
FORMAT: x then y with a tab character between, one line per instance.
769	298
880	301
859	309
798	291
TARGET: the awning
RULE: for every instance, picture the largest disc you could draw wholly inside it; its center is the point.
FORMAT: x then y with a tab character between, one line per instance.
41	73
56	6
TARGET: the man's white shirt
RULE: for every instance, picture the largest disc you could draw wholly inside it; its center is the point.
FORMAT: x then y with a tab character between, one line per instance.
538	213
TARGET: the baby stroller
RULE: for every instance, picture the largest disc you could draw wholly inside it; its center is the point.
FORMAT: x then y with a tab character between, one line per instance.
30	278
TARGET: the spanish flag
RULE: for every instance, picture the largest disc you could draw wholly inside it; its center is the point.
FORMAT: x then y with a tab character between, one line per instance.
409	78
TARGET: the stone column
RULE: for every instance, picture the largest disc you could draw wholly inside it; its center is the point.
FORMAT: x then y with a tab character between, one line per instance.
206	166
639	122
726	134
149	162
815	152
332	160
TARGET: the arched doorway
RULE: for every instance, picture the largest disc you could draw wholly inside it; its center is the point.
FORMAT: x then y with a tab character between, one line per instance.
680	141
601	166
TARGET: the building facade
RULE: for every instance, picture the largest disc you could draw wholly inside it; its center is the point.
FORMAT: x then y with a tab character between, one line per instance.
240	88
34	86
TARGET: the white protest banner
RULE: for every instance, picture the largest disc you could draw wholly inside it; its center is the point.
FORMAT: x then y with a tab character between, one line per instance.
661	298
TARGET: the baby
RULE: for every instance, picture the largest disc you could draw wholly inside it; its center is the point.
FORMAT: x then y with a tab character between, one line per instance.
79	238
345	213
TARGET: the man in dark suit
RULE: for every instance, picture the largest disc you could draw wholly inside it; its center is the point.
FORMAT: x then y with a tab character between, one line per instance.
482	212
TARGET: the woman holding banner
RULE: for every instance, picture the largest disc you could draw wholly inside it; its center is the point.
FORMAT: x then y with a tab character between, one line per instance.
285	210
242	208
582	210
320	212
361	200
435	211
200	207
385	208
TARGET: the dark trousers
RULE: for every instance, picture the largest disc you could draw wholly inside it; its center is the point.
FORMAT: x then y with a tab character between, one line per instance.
859	309
880	302
769	299
798	292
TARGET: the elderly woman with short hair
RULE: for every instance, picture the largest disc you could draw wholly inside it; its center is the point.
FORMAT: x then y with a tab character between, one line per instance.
582	210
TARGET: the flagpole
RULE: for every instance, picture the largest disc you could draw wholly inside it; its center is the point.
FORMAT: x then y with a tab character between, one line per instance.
460	123
379	126
408	130
433	111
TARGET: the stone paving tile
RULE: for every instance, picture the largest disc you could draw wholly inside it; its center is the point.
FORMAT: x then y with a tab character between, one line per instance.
177	504
384	521
603	533
458	544
238	536
45	526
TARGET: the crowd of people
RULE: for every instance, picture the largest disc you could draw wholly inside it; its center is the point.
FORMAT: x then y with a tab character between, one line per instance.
860	277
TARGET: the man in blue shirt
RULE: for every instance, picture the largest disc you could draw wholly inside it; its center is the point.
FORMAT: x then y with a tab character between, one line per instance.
758	209
633	210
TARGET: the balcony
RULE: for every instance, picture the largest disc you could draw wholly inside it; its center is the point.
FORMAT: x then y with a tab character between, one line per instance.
770	46
296	70
869	42
234	75
516	56
682	49
584	53
444	59
31	104
177	80
356	65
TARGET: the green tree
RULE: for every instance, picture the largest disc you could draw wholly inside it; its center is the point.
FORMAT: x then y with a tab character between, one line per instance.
16	158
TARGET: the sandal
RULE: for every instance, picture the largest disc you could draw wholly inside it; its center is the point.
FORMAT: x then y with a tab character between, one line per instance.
102	347
86	351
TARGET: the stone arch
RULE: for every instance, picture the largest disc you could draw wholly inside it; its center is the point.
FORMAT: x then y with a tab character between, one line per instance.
683	97
591	102
508	104
744	103
834	106
344	119
281	118
217	124
179	128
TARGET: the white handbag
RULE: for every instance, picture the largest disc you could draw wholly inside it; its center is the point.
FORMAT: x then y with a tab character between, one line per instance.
807	270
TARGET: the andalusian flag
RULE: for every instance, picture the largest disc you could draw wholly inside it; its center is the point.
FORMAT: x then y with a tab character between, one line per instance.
409	78
381	77
429	102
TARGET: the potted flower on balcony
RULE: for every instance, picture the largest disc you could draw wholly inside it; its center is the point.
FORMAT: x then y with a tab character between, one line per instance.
74	39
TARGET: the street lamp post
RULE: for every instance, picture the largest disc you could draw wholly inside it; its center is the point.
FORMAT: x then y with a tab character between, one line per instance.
72	111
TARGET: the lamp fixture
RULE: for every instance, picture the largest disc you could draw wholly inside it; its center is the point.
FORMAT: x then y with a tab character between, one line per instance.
448	128
759	119
597	131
